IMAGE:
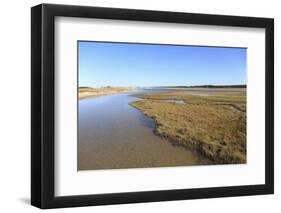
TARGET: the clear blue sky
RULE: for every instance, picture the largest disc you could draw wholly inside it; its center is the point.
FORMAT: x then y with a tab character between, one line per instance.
122	64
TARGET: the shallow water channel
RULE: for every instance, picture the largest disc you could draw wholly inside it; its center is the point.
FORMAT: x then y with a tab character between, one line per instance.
112	135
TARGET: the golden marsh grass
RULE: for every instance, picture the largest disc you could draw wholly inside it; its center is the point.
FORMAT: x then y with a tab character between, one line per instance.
213	124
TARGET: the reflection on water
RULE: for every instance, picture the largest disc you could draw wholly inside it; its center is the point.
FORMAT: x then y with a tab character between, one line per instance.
112	135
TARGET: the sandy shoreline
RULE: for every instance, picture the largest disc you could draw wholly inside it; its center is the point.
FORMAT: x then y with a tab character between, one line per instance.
82	95
109	91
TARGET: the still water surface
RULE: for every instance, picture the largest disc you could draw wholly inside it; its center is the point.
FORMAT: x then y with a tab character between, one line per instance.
112	135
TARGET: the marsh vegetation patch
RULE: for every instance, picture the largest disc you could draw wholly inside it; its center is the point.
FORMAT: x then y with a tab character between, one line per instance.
214	126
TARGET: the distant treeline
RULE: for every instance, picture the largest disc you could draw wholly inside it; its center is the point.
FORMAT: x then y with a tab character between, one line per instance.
212	86
199	86
83	87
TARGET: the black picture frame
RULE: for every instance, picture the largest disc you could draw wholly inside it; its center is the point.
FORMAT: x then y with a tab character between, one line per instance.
43	102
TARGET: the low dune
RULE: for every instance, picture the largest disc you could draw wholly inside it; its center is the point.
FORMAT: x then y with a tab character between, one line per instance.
85	92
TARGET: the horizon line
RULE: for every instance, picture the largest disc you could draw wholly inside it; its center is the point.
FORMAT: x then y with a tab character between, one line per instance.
202	85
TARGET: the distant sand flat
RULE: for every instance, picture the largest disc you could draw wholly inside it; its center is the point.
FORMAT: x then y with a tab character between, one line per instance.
89	92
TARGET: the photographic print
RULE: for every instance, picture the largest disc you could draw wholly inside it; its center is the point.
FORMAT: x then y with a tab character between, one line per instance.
157	100
160	105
